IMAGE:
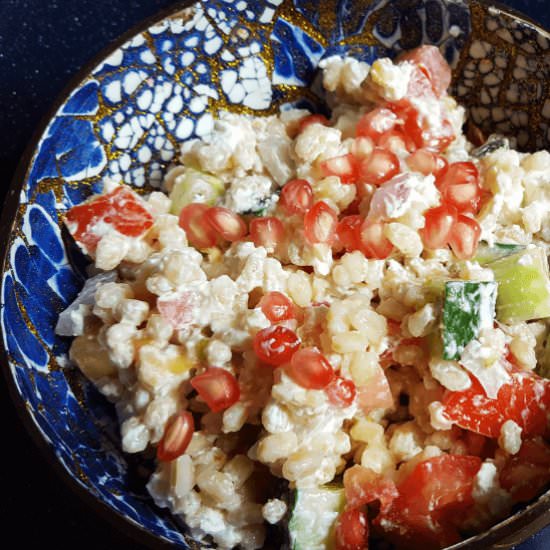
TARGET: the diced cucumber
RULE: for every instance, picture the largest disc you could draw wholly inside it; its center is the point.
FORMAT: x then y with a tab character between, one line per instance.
311	525
195	186
487	254
469	306
523	285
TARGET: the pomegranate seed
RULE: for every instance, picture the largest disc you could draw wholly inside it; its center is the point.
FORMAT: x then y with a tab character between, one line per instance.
199	232
308	120
343	166
376	123
226	223
396	141
379	167
426	135
277	307
275	345
361	147
320	224
433	65
459	185
341	392
217	387
351	530
373	243
426	162
347	230
464	237
437	228
296	197
177	435
310	369
267	232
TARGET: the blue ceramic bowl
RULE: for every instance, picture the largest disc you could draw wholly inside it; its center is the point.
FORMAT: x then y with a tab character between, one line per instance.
126	116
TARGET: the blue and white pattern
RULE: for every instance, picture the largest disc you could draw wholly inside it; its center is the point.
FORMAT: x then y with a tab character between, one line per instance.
126	120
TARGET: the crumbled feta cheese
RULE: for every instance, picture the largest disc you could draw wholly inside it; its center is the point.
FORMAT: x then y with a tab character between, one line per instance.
510	437
274	510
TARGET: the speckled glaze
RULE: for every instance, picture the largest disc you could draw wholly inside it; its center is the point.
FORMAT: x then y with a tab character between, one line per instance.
126	119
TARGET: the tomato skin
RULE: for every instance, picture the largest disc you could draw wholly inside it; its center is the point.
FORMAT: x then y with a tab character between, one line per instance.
121	208
525	400
526	474
380	166
226	223
464	237
439	222
347	232
277	307
310	369
199	232
341	392
296	197
363	486
430	61
217	387
320	224
275	345
372	241
267	232
308	120
177	436
352	530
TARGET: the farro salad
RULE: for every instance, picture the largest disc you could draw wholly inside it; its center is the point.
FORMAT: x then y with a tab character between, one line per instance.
330	325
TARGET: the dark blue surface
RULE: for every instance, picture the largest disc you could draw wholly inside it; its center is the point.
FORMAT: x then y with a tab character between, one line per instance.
42	44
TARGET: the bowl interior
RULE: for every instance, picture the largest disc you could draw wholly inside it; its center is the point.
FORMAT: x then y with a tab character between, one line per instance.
126	119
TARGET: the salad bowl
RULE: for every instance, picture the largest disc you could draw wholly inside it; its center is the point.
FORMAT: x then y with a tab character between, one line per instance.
125	117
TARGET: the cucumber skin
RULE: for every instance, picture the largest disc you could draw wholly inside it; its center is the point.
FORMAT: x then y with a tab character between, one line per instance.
459	325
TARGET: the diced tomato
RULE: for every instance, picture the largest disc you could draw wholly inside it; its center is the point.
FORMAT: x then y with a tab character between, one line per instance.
432	500
296	197
379	167
341	392
217	387
438	225
177	436
178	308
433	64
372	241
376	394
526	474
426	162
347	232
525	400
459	186
308	120
320	224
226	223
464	237
267	232
363	486
344	166
352	530
199	232
121	208
277	307
275	345
439	482
376	123
310	369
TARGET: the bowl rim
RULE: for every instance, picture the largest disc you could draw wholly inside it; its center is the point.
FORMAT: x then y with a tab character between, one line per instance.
501	536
